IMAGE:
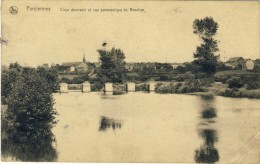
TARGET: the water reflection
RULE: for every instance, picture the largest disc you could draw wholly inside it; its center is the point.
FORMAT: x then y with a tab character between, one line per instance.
26	149
207	153
22	144
107	123
208	113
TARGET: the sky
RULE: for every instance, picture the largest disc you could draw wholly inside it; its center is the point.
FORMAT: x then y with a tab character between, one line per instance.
162	33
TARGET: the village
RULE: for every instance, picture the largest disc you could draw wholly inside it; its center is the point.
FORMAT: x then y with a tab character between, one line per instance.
154	76
70	70
151	71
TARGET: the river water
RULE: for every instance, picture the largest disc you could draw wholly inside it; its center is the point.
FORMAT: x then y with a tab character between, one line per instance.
150	127
146	127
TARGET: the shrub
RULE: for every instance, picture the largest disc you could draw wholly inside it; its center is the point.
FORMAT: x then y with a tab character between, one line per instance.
235	82
164	78
251	85
201	75
206	82
141	87
65	80
222	78
96	86
30	118
235	92
179	88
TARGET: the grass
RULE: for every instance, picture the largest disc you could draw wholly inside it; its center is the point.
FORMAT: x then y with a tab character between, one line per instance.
237	72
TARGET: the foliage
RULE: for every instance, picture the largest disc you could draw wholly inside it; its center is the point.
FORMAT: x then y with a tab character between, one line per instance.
96	86
60	68
222	67
252	85
30	117
163	67
164	78
51	75
141	87
184	77
112	66
239	93
206	82
187	87
221	78
205	53
188	67
235	82
11	75
8	78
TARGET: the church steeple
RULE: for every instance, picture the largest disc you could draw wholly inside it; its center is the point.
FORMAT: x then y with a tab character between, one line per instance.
84	58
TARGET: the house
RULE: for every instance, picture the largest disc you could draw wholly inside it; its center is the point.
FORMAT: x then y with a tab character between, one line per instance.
97	64
45	65
236	62
72	69
249	65
69	64
175	65
81	67
129	66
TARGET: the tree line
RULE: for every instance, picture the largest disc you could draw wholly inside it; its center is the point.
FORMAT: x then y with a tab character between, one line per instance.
30	116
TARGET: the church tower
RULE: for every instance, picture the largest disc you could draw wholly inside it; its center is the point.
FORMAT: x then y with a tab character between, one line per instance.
84	58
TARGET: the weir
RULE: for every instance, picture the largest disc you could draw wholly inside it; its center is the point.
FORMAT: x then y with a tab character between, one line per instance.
130	87
86	87
108	87
63	88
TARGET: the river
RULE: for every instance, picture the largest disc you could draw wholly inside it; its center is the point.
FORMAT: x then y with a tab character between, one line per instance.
150	127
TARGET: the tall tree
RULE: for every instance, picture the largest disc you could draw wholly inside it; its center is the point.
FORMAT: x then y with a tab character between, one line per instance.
51	76
30	117
205	55
112	66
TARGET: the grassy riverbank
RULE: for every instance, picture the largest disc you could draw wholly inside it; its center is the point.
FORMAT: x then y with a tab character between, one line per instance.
214	89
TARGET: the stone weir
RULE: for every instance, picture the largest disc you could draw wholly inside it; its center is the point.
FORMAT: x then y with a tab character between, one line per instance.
108	87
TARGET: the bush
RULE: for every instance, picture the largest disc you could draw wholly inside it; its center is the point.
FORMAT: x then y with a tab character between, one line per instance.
239	93
164	78
141	87
201	75
65	80
179	88
96	86
252	85
184	77
222	78
235	82
206	82
29	119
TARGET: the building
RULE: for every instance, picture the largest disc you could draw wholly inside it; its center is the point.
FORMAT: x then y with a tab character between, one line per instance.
175	65
249	65
45	65
83	67
236	62
79	67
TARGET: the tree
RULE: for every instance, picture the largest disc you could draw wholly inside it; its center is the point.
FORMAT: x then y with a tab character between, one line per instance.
112	66
205	55
51	76
9	76
29	118
235	82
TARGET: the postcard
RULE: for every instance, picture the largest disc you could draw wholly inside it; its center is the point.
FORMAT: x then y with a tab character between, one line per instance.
130	81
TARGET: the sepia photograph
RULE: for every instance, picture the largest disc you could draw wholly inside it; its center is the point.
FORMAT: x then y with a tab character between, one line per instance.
130	81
